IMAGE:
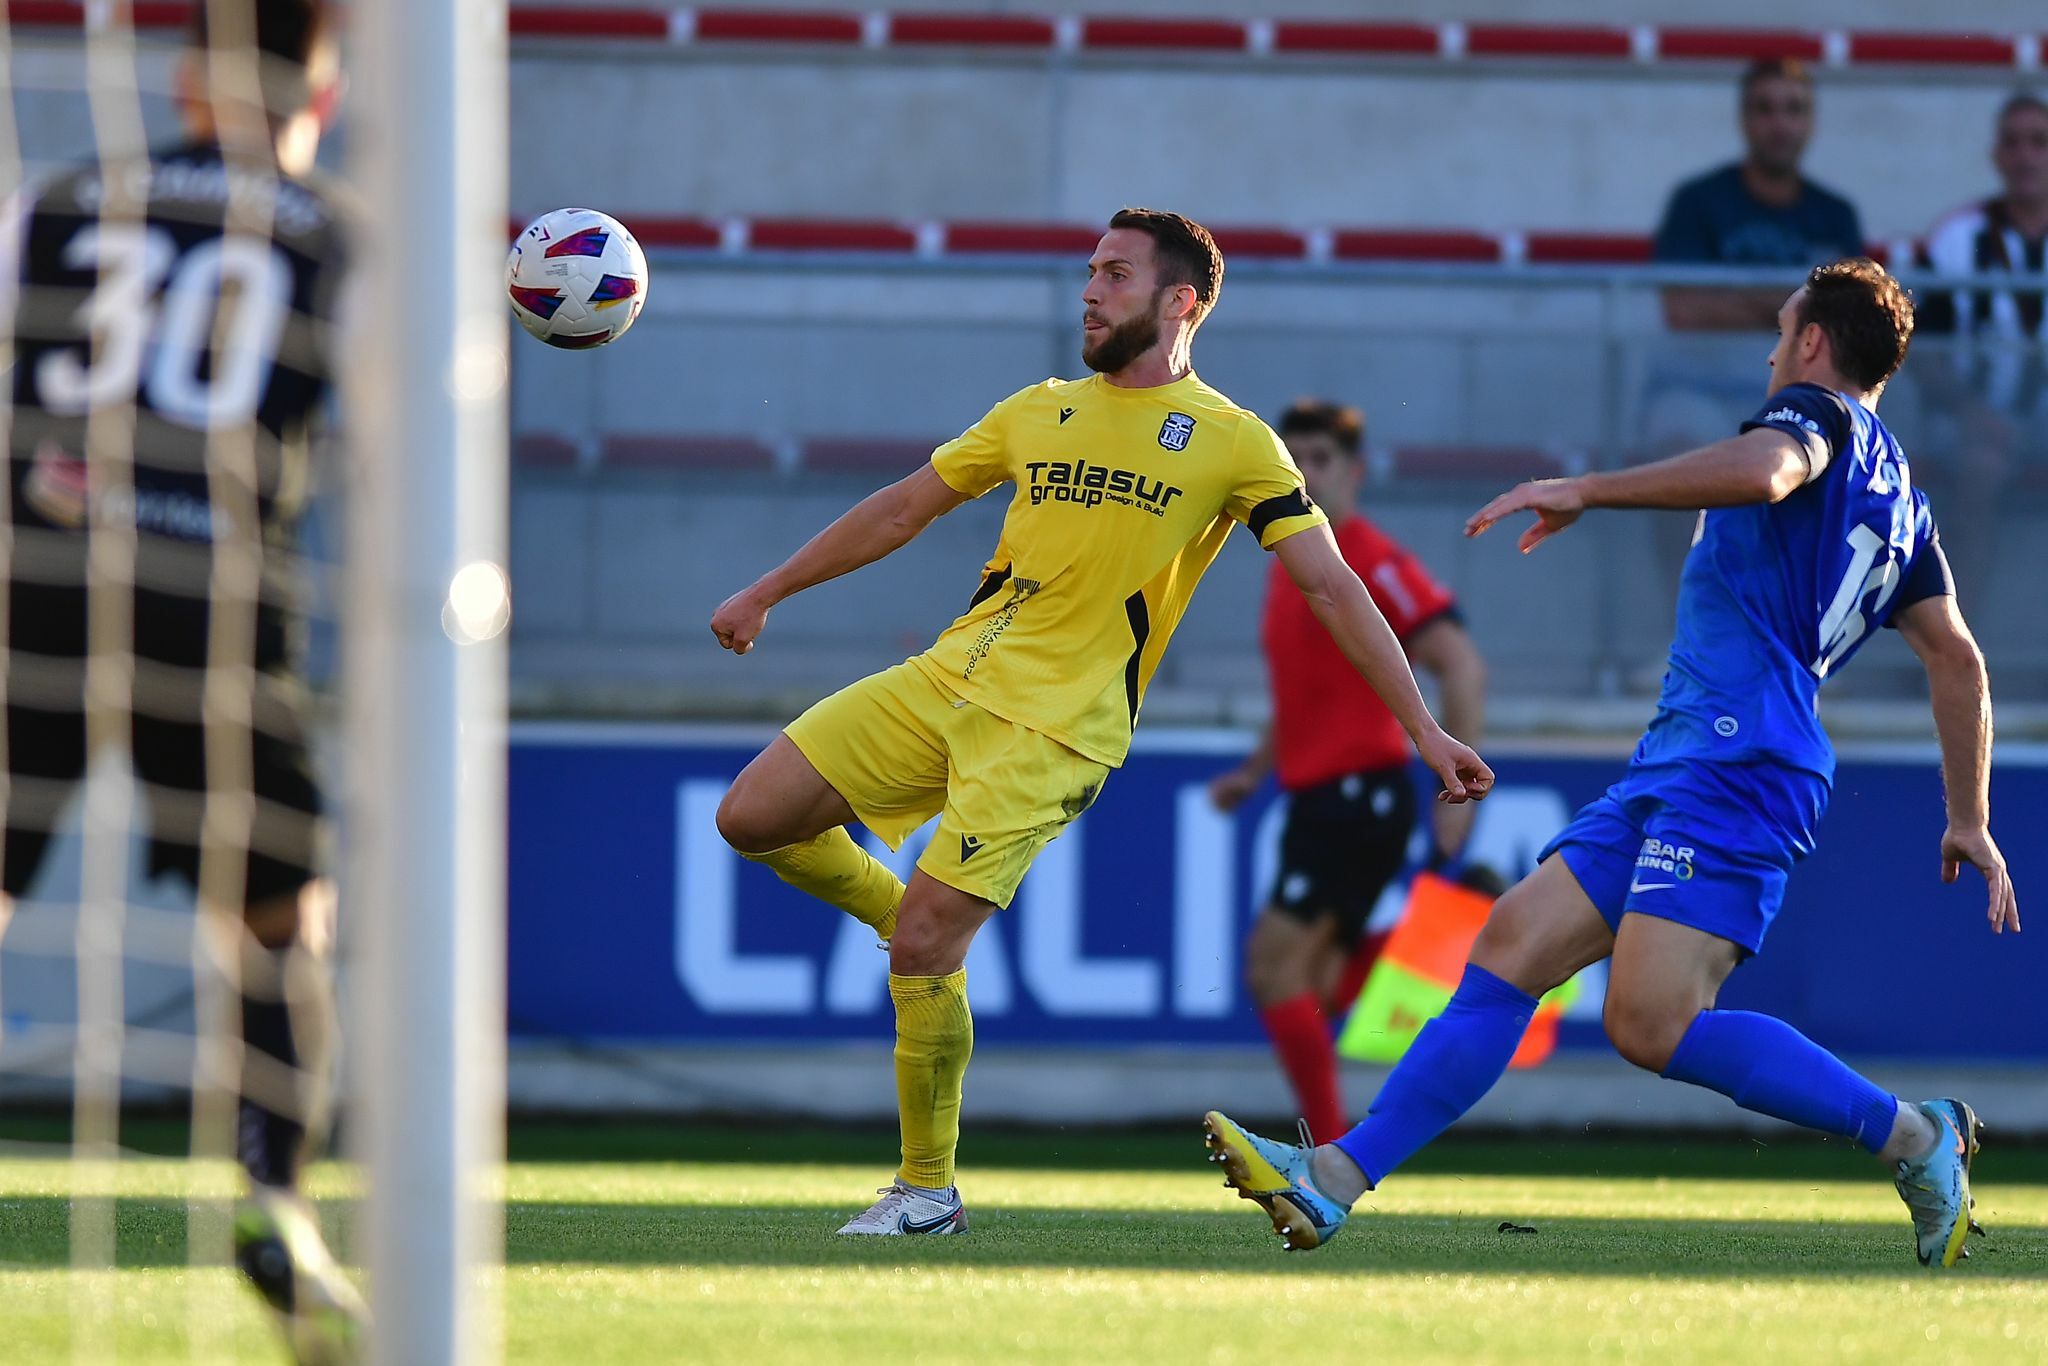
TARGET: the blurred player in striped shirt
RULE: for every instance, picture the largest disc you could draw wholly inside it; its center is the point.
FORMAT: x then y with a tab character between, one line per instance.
171	321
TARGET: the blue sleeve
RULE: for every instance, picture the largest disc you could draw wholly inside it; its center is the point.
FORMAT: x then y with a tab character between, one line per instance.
1683	236
1816	419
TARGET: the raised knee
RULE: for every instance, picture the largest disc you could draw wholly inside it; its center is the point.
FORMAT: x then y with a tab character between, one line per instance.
1646	1033
739	825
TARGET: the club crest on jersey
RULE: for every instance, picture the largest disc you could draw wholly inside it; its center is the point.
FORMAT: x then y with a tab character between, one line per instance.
1175	432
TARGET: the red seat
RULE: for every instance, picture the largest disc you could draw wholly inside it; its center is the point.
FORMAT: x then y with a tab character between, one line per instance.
867	454
646	451
544	451
1475	463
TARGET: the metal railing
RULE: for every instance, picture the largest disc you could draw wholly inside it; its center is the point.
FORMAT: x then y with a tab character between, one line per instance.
1467	375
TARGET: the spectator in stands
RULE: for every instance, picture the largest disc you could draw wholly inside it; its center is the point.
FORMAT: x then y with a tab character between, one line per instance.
1343	761
1985	380
1759	211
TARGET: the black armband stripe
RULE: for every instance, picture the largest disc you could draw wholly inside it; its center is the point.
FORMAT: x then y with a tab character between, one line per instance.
1293	503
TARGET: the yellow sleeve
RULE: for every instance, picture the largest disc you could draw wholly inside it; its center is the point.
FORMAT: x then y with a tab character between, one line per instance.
1268	497
979	459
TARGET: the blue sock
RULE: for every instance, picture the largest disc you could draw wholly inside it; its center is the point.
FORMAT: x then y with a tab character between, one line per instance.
1454	1061
1767	1066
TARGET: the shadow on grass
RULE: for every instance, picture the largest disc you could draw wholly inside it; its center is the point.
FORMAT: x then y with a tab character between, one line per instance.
33	1234
1788	1156
1792	1155
1240	1239
1692	1156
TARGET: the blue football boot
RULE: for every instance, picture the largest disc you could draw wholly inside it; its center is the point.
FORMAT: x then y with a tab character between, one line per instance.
1936	1187
1277	1176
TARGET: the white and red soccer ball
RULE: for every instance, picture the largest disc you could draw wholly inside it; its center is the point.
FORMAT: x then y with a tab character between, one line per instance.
576	278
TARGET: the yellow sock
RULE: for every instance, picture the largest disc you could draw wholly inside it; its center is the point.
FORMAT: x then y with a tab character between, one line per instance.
839	872
934	1038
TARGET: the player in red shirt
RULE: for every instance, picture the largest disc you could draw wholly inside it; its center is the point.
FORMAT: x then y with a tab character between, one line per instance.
1342	760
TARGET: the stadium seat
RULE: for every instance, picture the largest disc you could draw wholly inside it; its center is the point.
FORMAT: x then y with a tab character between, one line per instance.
867	454
648	451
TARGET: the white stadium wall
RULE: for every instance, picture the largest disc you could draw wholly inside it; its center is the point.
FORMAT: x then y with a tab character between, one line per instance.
652	128
876	137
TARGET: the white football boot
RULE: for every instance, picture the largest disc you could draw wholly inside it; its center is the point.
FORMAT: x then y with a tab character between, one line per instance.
903	1211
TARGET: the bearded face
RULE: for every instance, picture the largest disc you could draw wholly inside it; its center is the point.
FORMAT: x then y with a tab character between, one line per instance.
1110	347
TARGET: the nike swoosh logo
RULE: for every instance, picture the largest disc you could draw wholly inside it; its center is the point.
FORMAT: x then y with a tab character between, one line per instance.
1961	1151
1650	886
932	1225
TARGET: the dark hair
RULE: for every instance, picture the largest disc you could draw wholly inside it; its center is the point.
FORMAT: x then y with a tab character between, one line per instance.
1774	69
1866	315
2018	100
1317	417
1185	252
287	29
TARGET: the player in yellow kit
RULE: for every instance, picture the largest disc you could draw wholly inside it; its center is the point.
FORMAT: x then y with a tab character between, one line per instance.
1124	487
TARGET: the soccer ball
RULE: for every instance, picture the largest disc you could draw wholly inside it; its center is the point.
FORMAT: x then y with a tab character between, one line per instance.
577	279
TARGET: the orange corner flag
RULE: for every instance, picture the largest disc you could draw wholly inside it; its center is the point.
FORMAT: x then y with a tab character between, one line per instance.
1419	969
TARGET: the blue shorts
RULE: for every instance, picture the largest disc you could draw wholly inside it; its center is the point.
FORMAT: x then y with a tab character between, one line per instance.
1704	844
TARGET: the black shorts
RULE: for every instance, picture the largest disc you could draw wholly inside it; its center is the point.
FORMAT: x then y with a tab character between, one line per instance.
47	746
1343	844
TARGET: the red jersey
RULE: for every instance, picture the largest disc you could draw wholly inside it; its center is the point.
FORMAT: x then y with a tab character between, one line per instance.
1327	720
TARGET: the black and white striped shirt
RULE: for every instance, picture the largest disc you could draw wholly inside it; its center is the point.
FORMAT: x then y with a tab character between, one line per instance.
1999	333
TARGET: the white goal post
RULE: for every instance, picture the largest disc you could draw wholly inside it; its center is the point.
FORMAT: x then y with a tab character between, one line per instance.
424	616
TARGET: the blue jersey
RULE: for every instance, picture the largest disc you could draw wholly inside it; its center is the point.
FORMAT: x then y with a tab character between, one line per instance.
1776	598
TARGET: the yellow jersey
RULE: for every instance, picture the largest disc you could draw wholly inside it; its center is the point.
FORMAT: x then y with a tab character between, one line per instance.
1122	499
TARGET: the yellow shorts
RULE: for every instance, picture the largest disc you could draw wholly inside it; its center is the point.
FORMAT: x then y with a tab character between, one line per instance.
900	748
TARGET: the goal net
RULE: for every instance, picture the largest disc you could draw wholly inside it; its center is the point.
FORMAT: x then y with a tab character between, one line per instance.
251	648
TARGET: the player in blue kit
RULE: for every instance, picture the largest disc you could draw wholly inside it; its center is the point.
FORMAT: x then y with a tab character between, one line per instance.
1813	534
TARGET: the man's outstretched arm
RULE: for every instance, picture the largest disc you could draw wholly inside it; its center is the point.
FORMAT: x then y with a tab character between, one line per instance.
1763	465
1961	693
1349	614
884	521
1444	649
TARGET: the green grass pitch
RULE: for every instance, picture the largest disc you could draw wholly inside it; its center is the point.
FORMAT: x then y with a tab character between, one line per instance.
690	1244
